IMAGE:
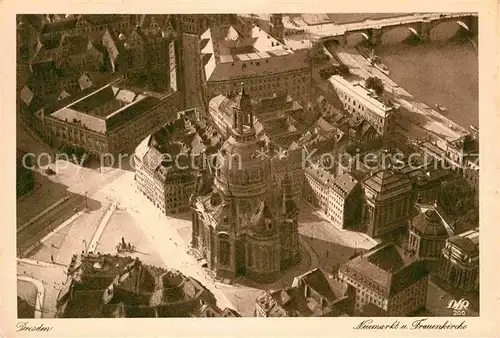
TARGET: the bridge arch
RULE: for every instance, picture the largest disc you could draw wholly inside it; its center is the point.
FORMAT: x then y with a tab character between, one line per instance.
441	30
397	34
353	39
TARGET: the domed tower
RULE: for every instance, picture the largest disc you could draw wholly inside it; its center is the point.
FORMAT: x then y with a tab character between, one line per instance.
427	235
243	165
239	226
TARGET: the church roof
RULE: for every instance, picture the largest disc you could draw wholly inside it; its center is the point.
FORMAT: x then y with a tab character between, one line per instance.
467	241
429	223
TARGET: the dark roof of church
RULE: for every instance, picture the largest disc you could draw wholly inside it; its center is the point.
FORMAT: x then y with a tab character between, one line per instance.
429	224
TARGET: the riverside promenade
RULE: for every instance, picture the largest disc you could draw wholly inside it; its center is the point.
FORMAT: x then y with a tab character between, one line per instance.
416	120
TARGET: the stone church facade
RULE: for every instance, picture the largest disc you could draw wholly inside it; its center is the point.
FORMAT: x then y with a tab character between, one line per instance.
241	226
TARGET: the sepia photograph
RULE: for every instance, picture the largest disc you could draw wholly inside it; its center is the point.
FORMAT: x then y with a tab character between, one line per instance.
290	165
243	165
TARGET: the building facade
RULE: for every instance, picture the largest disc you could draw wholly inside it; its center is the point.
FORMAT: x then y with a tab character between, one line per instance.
388	278
359	101
459	263
339	198
240	226
317	186
163	172
238	54
345	202
388	202
427	235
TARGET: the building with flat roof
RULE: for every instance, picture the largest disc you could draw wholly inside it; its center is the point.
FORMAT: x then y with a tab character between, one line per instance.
312	294
459	263
241	53
388	277
111	119
363	102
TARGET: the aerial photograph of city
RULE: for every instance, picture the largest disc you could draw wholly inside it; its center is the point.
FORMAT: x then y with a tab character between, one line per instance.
247	165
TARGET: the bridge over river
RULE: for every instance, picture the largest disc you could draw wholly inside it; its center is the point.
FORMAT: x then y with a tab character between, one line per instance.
374	31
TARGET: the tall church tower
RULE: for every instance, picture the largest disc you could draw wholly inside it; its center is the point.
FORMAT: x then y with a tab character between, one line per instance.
277	27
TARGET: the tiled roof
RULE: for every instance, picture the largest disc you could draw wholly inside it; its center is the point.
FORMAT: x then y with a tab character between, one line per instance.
77	44
321	175
386	183
106	108
291	301
101	19
386	268
59	26
346	183
38	68
327	287
234	52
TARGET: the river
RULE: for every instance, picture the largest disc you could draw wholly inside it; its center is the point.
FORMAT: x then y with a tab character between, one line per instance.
444	73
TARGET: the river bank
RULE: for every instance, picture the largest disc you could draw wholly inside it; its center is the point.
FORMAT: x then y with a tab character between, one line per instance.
443	73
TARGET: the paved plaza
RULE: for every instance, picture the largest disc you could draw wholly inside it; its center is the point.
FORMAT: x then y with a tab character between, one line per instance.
163	241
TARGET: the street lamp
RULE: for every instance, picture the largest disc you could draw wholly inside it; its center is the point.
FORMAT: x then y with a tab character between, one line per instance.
84	241
86	201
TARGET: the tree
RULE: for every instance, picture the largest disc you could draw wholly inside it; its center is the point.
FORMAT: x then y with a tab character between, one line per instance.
316	54
375	83
456	197
343	70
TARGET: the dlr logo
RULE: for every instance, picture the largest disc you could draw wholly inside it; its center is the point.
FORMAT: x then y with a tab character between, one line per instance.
458	307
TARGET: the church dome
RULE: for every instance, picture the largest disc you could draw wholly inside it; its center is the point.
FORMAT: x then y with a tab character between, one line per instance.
243	164
242	168
429	224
